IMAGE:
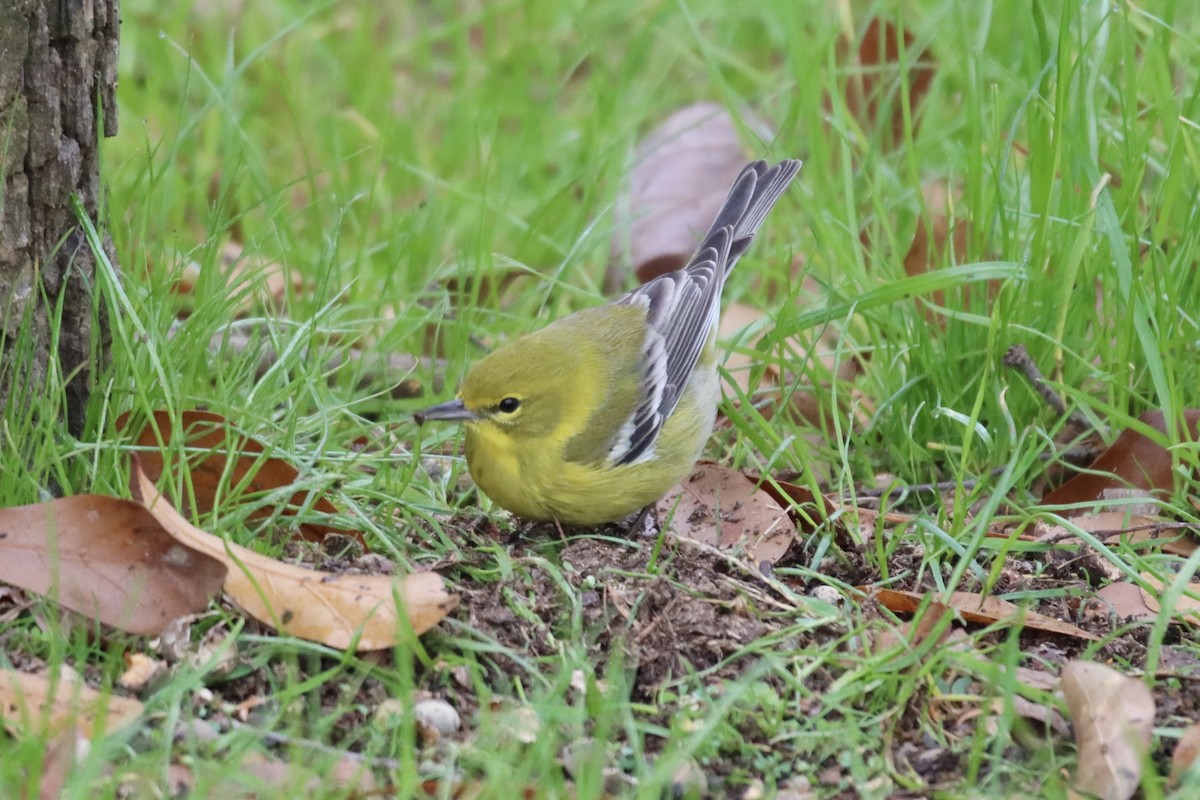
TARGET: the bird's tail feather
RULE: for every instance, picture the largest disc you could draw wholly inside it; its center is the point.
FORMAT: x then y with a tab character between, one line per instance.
754	192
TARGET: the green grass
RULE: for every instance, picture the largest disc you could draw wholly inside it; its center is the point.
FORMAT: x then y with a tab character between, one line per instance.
401	160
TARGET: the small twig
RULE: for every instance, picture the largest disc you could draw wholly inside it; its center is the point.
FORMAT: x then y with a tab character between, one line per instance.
1017	357
1105	535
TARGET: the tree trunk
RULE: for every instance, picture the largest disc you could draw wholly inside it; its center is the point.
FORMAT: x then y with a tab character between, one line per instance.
58	70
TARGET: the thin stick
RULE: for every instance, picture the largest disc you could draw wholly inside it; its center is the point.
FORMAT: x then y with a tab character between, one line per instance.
1017	357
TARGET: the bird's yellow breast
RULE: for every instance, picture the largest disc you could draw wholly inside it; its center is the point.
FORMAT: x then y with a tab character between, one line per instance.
534	480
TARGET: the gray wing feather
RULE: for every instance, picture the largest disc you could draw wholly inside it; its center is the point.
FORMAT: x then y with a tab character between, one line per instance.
683	306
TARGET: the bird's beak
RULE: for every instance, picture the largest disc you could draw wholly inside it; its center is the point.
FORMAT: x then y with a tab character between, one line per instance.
453	410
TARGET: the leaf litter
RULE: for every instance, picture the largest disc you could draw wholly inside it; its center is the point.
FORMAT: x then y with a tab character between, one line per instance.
695	607
720	581
367	612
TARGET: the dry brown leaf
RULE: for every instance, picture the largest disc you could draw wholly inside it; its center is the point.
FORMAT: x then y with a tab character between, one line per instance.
980	610
212	476
1114	720
1186	608
915	631
339	610
1126	601
872	87
681	174
36	703
806	509
937	243
1134	461
1187	751
725	509
1170	536
107	559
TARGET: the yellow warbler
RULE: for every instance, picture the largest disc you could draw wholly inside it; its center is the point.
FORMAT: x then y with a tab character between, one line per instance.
598	414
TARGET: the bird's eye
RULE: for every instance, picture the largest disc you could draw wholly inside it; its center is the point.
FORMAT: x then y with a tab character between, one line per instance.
509	404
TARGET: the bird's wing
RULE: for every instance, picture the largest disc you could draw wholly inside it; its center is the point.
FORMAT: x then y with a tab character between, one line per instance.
682	307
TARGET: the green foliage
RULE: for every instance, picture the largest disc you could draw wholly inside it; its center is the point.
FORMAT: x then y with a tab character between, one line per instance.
400	159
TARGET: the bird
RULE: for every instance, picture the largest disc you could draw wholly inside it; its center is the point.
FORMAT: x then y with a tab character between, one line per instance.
597	415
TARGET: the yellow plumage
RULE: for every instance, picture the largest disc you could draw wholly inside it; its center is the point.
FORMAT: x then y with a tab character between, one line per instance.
599	413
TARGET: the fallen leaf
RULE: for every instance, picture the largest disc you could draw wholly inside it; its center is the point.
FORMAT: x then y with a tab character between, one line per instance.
938	242
1125	599
1171	537
1114	720
1037	679
230	467
107	559
872	87
806	509
723	508
915	631
681	174
41	704
1134	461
980	610
1187	751
1186	608
336	609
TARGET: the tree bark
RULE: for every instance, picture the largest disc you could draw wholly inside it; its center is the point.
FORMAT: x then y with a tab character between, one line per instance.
58	70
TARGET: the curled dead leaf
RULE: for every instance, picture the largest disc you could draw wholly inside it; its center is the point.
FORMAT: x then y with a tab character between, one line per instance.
979	609
339	610
1134	461
1114	720
230	466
